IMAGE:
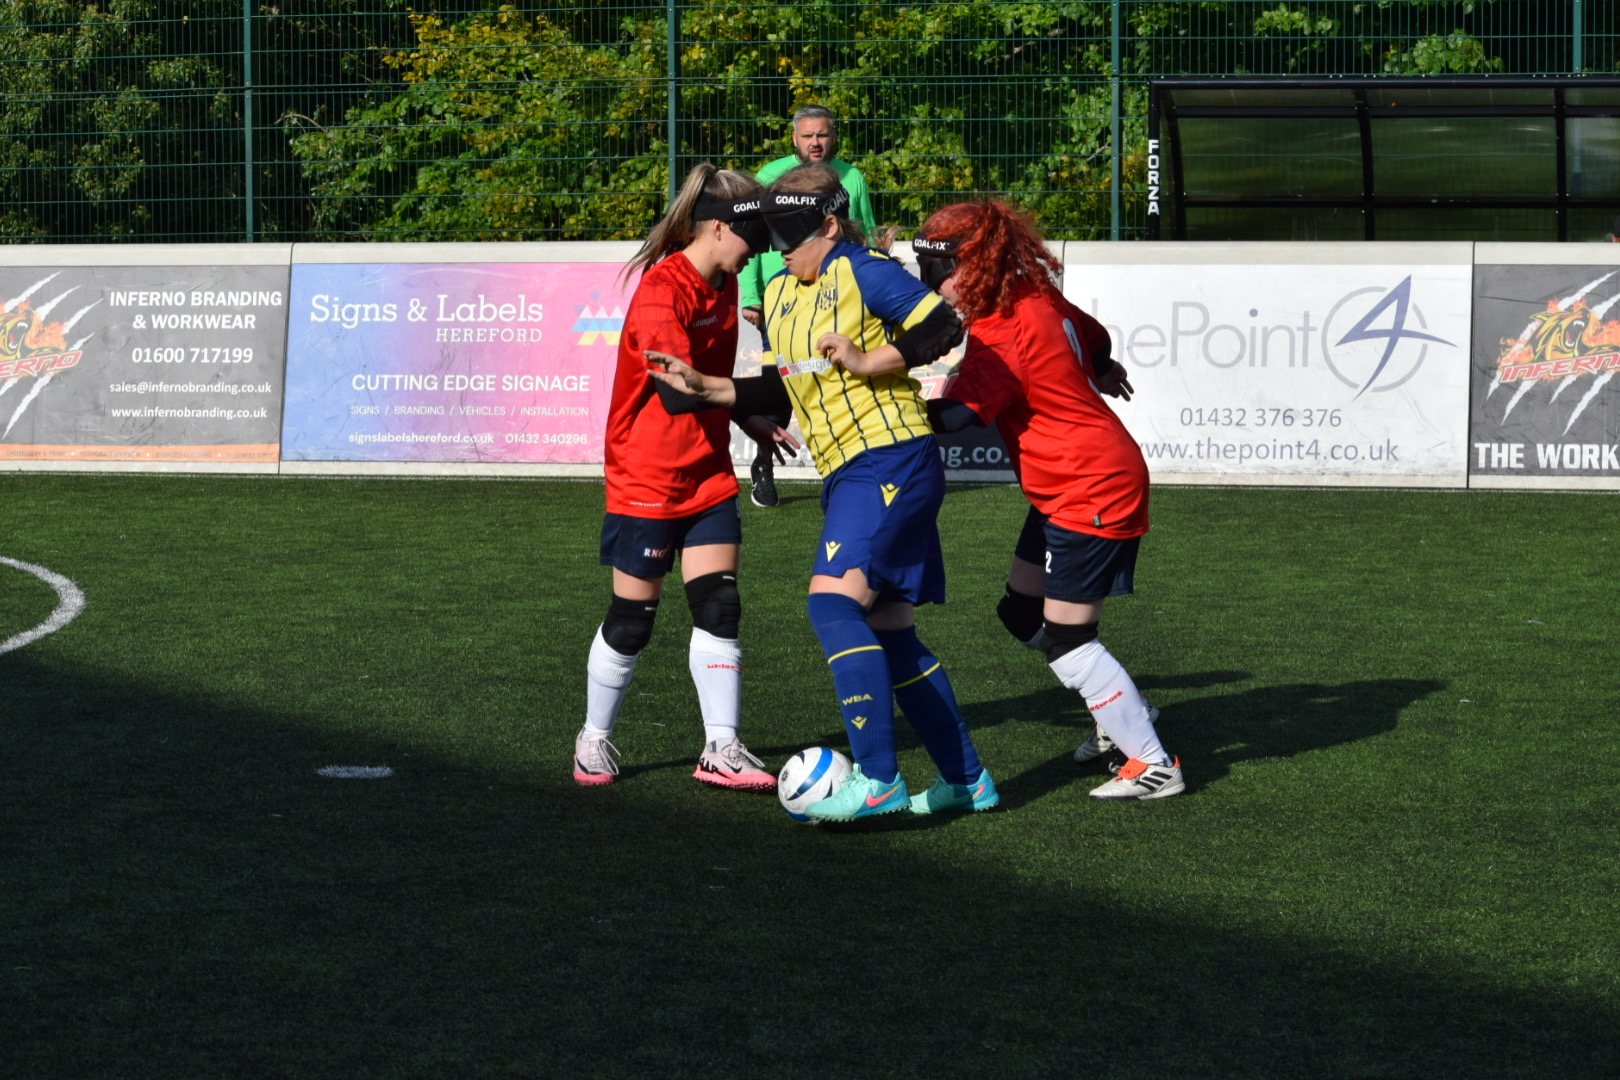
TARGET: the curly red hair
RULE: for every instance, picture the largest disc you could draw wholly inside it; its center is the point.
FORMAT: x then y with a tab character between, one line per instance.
999	255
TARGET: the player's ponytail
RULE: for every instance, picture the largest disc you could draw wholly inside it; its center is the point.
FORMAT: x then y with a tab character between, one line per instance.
679	225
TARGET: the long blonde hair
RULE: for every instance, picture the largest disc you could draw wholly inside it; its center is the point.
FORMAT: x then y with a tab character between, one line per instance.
678	229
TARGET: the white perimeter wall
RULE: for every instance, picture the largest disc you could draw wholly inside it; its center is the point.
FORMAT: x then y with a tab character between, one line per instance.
1313	364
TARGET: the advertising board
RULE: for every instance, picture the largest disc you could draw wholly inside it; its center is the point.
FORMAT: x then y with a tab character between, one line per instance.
1545	405
149	364
1330	363
468	362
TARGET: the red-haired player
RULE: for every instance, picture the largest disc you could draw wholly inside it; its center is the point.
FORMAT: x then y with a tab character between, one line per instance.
1039	366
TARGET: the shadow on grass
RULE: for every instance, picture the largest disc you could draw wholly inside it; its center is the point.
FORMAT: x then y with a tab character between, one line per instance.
1211	734
1065	709
1282	721
185	897
1190	680
768	751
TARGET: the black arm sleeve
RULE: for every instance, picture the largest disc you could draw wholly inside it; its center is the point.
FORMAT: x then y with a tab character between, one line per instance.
946	415
930	339
761	395
677	402
1102	358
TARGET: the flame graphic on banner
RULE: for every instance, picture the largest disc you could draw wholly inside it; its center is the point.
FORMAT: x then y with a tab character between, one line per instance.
32	347
1569	339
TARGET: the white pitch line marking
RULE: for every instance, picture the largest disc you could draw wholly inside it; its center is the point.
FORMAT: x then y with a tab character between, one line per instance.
356	772
70	601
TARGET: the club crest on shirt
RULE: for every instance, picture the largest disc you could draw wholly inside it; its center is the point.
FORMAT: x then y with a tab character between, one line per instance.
827	298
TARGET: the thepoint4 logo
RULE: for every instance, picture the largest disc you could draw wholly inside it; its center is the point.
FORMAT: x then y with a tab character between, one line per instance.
1568	339
32	347
1386	342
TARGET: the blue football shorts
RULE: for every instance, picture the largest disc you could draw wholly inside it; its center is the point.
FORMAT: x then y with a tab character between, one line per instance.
1080	568
645	547
882	510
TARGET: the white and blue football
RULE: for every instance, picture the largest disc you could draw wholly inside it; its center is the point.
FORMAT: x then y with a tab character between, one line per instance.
810	776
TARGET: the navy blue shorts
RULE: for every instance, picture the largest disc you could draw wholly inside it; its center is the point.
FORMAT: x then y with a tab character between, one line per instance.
882	511
1080	568
646	547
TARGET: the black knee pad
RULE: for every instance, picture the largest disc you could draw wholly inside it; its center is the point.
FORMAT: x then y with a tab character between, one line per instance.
629	625
1021	614
1067	637
716	605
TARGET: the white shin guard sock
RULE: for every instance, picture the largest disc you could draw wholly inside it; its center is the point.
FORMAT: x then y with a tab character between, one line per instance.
1113	699
716	666
607	675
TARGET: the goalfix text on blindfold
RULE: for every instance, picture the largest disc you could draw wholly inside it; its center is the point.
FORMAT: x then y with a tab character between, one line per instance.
936	259
795	218
743	215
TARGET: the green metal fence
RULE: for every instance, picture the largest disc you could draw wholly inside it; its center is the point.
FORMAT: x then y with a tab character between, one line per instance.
191	120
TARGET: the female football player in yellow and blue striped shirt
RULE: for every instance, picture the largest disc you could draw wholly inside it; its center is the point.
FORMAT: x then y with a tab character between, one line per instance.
883	483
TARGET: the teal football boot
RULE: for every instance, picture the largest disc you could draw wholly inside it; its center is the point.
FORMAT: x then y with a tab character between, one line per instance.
860	796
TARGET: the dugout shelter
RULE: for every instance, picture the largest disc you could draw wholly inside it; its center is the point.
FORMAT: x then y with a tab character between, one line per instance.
1470	158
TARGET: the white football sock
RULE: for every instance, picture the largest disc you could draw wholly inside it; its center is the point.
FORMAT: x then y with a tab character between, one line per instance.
1113	699
607	675
716	666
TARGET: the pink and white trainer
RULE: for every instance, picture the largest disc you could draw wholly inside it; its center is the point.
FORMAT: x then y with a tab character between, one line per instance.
732	766
593	760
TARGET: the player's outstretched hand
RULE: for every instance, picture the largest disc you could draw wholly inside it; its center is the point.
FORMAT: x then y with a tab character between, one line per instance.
674	371
687	379
1115	384
765	431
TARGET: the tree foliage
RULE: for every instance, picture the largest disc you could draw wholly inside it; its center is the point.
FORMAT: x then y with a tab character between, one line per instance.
105	93
126	118
507	123
503	125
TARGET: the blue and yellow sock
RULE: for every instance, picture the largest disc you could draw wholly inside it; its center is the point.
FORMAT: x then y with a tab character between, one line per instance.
861	677
925	695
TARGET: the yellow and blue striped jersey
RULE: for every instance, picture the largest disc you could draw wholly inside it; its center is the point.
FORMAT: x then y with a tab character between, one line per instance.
871	299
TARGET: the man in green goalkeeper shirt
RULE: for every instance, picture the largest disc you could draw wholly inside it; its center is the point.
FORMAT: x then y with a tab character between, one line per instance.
815	141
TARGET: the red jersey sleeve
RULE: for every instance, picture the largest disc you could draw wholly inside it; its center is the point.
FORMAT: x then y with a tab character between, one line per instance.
985	382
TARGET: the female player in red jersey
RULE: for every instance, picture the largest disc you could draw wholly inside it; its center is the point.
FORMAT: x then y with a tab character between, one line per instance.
1039	366
671	489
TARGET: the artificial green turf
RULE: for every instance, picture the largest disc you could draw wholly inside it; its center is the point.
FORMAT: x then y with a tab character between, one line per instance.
1396	856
